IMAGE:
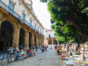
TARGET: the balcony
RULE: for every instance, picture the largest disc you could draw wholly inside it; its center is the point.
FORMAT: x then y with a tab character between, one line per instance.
13	13
7	8
28	24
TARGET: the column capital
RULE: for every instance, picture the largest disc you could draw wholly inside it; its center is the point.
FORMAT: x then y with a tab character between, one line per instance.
20	2
1	16
19	26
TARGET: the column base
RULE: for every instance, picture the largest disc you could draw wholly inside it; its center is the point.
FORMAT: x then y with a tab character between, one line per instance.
17	49
25	48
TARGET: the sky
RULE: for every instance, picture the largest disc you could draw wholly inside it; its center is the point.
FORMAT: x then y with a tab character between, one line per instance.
42	13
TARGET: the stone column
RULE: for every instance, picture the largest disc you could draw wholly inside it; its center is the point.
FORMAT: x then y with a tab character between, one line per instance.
43	39
40	41
15	42
26	40
1	19
58	43
32	39
36	40
46	41
52	41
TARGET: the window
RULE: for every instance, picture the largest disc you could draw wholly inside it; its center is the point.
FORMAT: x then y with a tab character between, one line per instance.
49	36
30	22
35	25
11	5
23	16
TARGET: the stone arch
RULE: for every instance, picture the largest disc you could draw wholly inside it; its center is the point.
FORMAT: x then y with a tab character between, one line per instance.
49	42
21	38
6	35
13	24
49	36
55	42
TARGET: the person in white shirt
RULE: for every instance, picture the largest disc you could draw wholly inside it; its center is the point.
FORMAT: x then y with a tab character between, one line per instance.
64	47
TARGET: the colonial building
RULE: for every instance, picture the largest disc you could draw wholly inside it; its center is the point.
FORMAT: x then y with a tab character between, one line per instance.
50	37
19	25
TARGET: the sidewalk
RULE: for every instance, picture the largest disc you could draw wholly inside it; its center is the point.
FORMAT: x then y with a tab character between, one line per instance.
48	58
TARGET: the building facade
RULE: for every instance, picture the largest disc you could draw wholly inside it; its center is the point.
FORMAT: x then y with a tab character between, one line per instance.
19	25
50	37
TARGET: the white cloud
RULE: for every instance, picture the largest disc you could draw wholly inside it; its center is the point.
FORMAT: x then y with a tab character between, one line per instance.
41	11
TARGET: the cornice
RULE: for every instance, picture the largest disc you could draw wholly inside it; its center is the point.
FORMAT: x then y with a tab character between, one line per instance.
13	2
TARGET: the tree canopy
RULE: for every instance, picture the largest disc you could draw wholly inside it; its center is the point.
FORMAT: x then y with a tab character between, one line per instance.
71	19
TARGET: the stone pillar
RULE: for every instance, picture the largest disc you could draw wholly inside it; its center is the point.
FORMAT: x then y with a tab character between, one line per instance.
58	43
46	41
26	40
39	41
36	40
15	41
43	39
32	39
52	41
1	19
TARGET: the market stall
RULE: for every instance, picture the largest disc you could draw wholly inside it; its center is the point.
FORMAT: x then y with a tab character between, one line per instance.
77	60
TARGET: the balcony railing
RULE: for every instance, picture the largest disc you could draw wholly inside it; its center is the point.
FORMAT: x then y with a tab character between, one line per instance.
7	8
28	24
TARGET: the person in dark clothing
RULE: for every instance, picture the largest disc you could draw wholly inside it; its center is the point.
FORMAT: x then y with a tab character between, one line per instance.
45	47
20	47
33	47
36	48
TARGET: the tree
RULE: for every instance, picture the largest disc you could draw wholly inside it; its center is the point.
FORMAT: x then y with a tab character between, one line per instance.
71	17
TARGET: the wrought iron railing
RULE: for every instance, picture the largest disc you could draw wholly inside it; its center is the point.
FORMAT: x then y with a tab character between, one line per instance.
28	24
13	13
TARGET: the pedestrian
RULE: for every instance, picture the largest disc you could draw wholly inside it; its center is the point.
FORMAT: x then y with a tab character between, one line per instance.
33	47
36	48
20	47
32	52
41	49
45	47
55	47
70	50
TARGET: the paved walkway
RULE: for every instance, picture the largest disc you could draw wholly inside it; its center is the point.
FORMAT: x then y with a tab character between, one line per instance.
48	58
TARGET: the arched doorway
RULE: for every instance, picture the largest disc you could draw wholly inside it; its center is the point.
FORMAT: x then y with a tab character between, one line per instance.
35	40
6	35
30	37
21	39
49	42
55	42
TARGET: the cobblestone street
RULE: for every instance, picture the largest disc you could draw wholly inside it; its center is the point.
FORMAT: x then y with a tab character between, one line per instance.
48	58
